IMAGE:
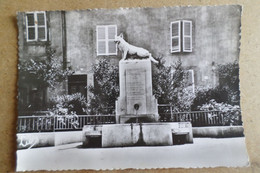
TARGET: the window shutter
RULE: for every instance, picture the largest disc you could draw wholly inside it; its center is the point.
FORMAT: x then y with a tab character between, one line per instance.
187	36
176	36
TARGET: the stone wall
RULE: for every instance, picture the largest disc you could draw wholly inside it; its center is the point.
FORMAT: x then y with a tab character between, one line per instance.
218	131
26	140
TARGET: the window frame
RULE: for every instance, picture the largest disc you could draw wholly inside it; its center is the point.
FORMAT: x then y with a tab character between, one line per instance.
178	36
36	26
192	79
186	36
106	40
181	36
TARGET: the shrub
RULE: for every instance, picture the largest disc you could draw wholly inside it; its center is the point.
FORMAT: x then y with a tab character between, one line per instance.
232	114
170	87
203	96
67	107
227	91
229	78
106	88
70	104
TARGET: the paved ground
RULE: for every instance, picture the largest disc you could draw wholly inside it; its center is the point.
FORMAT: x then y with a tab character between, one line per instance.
204	152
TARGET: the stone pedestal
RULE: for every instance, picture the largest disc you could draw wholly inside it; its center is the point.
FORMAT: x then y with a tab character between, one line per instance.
136	100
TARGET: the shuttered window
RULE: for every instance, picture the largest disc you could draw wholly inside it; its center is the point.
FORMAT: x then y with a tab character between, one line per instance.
106	40
181	36
190	80
187	36
176	36
36	26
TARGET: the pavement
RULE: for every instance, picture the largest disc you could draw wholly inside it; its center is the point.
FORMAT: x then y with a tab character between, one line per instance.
204	152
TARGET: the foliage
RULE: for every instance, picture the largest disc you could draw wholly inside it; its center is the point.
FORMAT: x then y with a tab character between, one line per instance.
229	79
46	72
106	87
69	104
226	92
170	87
232	114
204	95
67	108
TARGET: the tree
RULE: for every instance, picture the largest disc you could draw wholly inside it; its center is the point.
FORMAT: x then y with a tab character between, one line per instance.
42	73
226	92
106	87
47	72
229	79
170	87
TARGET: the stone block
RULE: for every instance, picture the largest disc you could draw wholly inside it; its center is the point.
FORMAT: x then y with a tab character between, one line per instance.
136	96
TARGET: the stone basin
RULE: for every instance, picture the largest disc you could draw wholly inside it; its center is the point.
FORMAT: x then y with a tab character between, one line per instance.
139	134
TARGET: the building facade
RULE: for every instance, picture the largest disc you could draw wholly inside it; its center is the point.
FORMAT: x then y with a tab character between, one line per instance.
201	37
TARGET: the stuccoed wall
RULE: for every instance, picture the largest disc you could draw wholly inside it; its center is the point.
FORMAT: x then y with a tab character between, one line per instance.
37	49
215	36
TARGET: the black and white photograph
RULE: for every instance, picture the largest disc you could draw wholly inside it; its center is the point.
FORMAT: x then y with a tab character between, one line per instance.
140	88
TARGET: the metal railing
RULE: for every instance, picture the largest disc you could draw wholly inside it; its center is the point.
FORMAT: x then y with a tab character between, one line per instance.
45	123
197	118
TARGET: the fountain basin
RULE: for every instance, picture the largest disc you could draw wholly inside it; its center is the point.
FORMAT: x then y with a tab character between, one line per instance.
137	134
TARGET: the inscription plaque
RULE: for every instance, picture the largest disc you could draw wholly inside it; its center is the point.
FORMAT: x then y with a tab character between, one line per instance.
135	91
136	96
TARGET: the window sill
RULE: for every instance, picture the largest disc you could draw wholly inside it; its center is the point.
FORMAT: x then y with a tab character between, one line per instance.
36	43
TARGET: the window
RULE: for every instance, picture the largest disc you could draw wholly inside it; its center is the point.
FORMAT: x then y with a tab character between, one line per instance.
181	36
77	84
190	81
36	26
106	40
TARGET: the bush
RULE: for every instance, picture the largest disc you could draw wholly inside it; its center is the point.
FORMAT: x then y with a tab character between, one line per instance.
232	114
170	87
69	104
203	96
226	92
229	79
106	88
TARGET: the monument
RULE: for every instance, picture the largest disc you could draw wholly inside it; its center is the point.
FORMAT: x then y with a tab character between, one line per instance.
136	102
136	108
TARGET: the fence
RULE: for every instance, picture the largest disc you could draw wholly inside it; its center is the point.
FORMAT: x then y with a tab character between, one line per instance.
197	118
45	123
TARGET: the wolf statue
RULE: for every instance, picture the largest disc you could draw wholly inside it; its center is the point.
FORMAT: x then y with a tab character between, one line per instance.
127	48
